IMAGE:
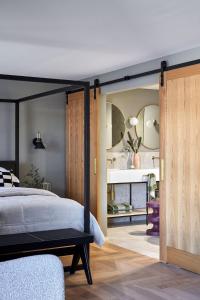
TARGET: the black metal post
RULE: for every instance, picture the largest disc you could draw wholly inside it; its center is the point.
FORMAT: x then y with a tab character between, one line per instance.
163	69
17	137
147	200
96	85
87	158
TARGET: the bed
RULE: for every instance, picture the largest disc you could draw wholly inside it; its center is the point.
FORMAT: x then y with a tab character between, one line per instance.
35	210
38	277
29	210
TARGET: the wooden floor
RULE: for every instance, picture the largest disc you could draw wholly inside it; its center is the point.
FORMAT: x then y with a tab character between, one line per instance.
121	274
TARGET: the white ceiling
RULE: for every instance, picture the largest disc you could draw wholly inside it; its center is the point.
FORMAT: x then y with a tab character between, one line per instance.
79	38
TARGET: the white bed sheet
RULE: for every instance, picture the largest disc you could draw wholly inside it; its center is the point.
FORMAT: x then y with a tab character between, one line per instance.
26	209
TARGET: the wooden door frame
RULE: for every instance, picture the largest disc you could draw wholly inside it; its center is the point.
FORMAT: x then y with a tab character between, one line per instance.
163	243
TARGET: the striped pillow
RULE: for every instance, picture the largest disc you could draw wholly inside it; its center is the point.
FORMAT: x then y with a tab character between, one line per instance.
6	179
15	180
1	180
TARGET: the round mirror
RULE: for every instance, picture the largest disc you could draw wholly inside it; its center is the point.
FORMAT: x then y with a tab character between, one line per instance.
115	125
148	126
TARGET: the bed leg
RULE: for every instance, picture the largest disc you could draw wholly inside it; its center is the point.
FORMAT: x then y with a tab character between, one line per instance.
75	260
85	261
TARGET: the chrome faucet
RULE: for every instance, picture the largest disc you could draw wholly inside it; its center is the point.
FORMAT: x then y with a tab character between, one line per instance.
111	160
153	158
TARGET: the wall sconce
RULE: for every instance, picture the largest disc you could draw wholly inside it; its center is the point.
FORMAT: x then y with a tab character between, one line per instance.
151	123
133	121
156	125
37	142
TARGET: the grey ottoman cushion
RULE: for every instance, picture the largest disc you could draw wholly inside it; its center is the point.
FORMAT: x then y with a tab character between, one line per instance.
39	277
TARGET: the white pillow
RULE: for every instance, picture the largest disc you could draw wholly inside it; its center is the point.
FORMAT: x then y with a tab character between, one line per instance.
3	169
15	180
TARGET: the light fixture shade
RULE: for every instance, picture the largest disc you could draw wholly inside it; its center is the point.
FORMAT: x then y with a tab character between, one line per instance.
149	123
133	121
37	142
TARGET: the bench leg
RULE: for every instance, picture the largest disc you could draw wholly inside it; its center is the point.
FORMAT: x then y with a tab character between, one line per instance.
75	260
84	249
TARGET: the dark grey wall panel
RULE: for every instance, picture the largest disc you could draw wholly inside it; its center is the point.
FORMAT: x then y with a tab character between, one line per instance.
7	123
47	116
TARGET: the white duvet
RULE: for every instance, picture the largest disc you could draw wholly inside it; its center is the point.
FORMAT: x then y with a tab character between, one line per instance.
26	210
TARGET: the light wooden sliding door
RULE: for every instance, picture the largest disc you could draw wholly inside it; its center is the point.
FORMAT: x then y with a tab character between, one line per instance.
180	168
75	147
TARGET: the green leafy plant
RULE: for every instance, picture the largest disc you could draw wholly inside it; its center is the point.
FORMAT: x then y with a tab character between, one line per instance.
134	143
32	178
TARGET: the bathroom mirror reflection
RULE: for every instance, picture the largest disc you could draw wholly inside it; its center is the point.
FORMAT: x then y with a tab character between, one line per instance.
148	126
115	125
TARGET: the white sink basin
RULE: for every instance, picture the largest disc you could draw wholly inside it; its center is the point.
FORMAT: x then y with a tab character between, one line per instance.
131	175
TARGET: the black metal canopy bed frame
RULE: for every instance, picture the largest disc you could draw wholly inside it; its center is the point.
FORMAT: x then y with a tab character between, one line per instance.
71	236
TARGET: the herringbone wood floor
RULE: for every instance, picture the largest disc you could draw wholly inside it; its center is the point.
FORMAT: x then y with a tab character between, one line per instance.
120	274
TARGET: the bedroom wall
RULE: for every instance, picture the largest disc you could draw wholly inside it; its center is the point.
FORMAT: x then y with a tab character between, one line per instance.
47	116
6	131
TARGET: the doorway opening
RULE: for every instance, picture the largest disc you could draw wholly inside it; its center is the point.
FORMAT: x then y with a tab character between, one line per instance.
132	152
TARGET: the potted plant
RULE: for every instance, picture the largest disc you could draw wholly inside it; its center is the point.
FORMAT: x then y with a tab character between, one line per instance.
32	179
134	146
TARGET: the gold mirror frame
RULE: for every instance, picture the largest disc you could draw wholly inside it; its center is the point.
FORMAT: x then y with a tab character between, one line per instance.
150	148
120	138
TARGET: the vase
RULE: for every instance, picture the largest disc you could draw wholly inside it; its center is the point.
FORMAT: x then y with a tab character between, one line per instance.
136	162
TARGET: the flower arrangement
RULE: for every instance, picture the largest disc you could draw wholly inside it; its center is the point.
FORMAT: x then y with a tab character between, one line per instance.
134	143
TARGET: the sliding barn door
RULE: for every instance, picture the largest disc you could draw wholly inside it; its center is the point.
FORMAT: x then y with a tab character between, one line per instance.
75	148
180	168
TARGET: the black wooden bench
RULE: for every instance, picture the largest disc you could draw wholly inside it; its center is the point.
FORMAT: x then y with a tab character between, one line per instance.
58	242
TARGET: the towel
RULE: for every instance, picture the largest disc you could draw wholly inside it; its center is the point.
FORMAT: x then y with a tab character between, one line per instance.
152	185
119	207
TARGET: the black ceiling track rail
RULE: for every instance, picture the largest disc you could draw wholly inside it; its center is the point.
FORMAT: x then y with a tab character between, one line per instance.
162	69
129	77
96	85
182	65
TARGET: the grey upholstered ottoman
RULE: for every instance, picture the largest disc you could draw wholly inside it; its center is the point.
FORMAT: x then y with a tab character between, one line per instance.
39	277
